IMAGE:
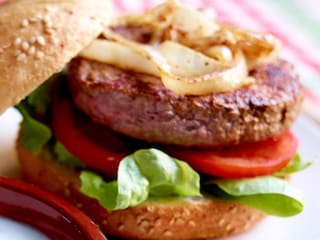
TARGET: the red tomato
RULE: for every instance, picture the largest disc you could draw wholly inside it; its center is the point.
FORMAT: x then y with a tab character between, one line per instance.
250	160
105	159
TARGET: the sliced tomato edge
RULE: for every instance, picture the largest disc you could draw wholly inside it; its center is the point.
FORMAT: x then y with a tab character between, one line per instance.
106	161
228	170
66	131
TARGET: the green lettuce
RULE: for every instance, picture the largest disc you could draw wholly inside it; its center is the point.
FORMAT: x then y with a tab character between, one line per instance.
147	172
272	195
296	165
34	133
40	98
63	156
150	173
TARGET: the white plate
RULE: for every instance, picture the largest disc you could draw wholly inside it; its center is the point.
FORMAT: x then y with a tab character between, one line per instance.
304	226
12	230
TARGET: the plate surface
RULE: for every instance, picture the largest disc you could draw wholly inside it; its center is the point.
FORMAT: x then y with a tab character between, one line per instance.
303	226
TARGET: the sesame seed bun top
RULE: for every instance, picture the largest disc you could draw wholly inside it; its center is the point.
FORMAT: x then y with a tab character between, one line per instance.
38	37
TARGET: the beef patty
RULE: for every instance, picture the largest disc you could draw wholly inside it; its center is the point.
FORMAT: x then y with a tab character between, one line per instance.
139	106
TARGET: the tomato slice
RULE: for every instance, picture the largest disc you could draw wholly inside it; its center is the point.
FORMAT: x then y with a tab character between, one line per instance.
104	159
249	160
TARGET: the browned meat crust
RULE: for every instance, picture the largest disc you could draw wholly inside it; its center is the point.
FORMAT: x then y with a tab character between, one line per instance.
139	105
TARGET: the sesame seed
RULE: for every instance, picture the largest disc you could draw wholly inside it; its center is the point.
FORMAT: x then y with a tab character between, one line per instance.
48	9
25	45
1	50
21	57
192	223
179	221
221	222
186	213
251	218
229	227
17	42
48	24
151	230
46	18
172	221
233	210
33	20
49	31
32	50
24	22
38	16
143	224
150	208
33	39
246	226
158	222
140	218
39	54
54	40
41	40
167	233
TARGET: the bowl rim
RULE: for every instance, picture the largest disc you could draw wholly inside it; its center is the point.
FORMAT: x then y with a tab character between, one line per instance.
87	227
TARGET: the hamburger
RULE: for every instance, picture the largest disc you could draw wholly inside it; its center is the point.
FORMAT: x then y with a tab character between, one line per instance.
161	125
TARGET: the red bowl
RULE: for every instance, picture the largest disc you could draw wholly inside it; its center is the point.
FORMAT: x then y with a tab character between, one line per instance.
50	215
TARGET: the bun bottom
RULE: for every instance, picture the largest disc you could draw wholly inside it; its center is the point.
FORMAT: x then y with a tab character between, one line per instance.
194	218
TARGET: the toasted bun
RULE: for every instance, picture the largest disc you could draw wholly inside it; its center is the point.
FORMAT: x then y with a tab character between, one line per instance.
186	219
37	38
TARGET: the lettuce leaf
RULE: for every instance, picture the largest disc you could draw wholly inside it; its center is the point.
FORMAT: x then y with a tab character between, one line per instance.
167	175
296	165
269	194
34	134
147	172
151	173
63	156
39	100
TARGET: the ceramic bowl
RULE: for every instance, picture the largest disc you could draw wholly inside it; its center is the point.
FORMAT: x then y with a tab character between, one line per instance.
50	215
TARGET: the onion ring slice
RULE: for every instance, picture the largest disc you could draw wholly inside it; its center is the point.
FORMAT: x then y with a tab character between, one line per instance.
188	50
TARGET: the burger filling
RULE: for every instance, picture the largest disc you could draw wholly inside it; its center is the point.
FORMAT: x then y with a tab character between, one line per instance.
193	55
121	172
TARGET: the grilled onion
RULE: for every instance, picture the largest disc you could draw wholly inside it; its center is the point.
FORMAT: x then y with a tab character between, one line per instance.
188	50
120	55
